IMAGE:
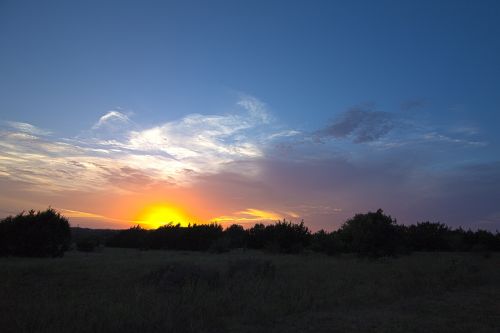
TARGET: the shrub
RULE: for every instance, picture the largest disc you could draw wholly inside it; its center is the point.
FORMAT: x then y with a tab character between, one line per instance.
35	234
329	243
282	236
428	236
174	237
129	238
238	237
372	234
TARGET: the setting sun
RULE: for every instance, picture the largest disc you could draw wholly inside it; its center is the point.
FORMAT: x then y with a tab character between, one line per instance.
158	215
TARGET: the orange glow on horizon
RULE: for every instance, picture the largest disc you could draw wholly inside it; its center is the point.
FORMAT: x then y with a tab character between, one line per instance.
158	215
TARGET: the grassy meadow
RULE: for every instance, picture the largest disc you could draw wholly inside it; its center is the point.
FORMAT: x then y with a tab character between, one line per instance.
127	290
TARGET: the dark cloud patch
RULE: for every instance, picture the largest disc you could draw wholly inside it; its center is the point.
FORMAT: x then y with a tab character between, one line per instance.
404	186
360	124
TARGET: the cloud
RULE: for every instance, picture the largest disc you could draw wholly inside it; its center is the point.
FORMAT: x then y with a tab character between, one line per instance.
244	167
437	137
250	216
116	156
27	128
111	119
360	124
255	108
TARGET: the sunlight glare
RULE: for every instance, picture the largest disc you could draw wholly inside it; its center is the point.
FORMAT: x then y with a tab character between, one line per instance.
158	215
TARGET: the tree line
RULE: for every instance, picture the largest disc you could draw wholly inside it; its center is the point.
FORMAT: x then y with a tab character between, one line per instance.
372	234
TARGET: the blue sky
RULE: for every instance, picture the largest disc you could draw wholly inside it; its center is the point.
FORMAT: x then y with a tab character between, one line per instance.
345	105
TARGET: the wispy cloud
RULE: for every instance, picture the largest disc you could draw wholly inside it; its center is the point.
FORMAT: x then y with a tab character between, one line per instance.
256	108
111	119
27	128
437	137
250	216
361	124
174	152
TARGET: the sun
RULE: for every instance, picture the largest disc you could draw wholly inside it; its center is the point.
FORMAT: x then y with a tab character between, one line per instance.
155	216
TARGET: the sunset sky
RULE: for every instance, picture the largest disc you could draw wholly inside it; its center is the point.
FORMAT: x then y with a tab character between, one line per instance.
125	112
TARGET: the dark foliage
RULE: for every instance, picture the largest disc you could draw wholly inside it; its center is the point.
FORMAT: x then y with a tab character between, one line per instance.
173	237
427	236
98	236
372	234
47	233
35	234
237	236
282	236
329	243
134	237
257	236
376	234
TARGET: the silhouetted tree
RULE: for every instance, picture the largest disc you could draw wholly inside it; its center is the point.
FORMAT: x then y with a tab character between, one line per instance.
35	234
200	237
130	238
372	234
282	236
428	236
329	243
174	237
257	236
237	236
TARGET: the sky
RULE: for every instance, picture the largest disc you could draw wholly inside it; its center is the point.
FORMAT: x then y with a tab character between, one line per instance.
124	112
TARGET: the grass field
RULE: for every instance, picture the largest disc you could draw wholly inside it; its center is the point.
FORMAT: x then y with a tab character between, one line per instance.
120	290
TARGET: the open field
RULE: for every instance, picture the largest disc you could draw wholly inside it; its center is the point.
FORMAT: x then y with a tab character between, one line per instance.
120	290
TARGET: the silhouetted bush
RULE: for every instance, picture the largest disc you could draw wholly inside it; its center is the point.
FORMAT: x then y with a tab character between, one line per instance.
200	237
282	236
257	236
35	234
428	236
100	236
372	234
237	235
174	237
329	243
134	237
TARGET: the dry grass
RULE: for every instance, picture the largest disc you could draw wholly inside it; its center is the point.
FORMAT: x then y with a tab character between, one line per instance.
121	290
